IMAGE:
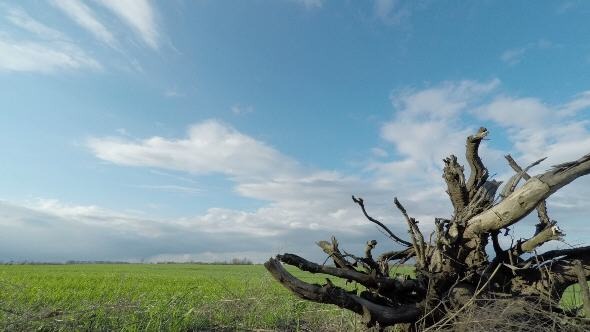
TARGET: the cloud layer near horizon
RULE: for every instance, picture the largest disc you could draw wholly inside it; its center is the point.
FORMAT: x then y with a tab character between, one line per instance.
301	204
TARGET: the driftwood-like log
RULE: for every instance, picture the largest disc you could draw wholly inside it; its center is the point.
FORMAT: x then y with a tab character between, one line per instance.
452	268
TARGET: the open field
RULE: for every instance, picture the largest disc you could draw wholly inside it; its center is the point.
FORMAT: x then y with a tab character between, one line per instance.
137	297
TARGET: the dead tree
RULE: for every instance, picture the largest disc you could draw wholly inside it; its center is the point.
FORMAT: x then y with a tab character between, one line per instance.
453	268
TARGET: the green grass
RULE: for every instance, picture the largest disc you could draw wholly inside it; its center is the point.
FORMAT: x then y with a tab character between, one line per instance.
136	297
170	297
571	297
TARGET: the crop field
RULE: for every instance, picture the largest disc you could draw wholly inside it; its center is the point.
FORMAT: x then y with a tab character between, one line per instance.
140	297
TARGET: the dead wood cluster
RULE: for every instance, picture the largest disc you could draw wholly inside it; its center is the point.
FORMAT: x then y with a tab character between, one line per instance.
454	272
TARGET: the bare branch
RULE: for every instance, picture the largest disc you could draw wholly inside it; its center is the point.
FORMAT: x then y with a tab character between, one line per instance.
332	250
417	237
395	255
496	244
394	237
544	220
384	315
369	257
520	174
478	174
368	280
526	198
519	170
551	232
573	253
542	207
455	179
560	270
562	174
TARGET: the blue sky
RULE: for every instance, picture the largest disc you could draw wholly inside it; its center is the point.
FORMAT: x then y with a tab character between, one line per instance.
143	130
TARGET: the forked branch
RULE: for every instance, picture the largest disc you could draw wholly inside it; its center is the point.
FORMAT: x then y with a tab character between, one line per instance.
394	237
523	200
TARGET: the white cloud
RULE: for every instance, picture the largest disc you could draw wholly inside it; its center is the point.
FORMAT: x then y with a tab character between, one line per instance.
427	117
171	188
138	15
579	103
379	152
86	18
510	112
28	56
297	199
310	4
49	230
537	129
211	147
21	19
391	11
514	56
173	93
242	110
48	52
443	101
301	205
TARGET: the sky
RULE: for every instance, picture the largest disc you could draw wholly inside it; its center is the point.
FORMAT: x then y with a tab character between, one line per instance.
139	130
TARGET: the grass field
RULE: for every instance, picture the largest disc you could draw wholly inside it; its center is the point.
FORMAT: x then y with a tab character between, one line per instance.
137	297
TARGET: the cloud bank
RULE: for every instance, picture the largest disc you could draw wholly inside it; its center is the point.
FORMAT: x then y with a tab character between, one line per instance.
302	204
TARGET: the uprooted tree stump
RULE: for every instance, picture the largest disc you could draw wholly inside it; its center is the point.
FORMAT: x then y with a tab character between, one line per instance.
453	270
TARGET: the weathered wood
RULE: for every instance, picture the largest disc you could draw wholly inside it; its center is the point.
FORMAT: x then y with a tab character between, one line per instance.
331	248
550	233
328	293
452	268
584	291
478	174
513	208
522	173
455	179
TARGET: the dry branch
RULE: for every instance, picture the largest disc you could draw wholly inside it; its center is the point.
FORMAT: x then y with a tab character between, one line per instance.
361	203
331	294
452	269
479	174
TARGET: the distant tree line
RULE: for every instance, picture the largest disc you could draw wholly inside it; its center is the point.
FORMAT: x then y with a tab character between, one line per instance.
233	261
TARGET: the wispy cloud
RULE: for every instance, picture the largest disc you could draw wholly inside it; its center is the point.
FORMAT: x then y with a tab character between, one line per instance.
310	4
171	188
173	93
241	109
27	56
580	102
47	51
391	11
21	19
514	56
85	17
138	15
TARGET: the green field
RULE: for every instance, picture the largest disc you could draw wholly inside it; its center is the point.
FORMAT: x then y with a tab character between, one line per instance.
140	297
